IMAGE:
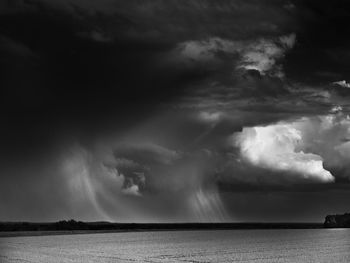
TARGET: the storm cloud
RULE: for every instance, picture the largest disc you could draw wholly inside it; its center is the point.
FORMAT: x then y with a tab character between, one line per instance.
164	111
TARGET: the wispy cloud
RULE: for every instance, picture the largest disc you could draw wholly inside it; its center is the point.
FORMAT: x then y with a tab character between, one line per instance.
342	83
263	55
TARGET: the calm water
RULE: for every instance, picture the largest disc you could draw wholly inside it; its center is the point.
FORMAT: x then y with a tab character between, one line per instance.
314	245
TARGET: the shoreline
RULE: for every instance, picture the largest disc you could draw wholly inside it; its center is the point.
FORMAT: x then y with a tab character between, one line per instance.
124	228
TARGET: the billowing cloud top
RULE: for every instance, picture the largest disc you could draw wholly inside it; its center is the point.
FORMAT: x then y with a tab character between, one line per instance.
280	147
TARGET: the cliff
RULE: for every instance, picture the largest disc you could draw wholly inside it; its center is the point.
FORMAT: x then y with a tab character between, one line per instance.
334	221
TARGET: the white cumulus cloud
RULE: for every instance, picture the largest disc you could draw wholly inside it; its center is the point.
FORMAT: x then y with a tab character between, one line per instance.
282	147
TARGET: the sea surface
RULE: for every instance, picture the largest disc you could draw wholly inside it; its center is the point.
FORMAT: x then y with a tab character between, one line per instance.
310	245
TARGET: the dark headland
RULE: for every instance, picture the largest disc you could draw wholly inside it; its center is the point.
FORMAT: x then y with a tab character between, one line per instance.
78	227
337	221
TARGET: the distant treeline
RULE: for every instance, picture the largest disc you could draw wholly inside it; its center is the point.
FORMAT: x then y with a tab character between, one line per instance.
331	221
106	226
61	225
337	221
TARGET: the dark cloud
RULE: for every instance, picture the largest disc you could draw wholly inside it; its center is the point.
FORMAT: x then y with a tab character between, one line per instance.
177	19
322	42
57	79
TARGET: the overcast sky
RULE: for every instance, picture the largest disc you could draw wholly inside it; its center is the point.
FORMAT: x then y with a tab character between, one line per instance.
174	111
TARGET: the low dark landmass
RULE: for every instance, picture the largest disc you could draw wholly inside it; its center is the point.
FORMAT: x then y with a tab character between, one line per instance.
337	221
78	227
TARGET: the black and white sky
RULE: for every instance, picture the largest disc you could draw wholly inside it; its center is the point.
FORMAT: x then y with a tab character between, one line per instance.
174	111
